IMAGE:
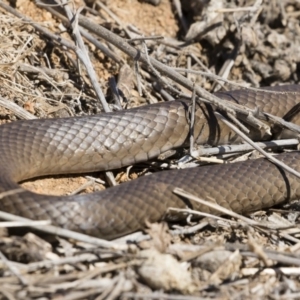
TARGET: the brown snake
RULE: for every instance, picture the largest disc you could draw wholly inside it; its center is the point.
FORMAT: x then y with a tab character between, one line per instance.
108	141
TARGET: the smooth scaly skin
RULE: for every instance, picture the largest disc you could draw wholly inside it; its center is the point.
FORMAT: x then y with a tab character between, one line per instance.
108	141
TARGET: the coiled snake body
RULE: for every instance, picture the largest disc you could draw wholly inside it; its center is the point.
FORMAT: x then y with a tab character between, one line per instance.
108	141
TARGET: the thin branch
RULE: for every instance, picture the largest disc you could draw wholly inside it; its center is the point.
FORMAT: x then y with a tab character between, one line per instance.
244	147
64	232
16	109
82	54
248	140
106	51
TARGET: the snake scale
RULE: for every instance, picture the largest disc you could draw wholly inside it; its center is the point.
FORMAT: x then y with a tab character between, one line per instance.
112	140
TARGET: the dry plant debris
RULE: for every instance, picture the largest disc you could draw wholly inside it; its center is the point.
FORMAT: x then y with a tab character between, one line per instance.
250	43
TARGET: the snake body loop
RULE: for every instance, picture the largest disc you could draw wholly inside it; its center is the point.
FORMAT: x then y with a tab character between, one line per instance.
109	141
